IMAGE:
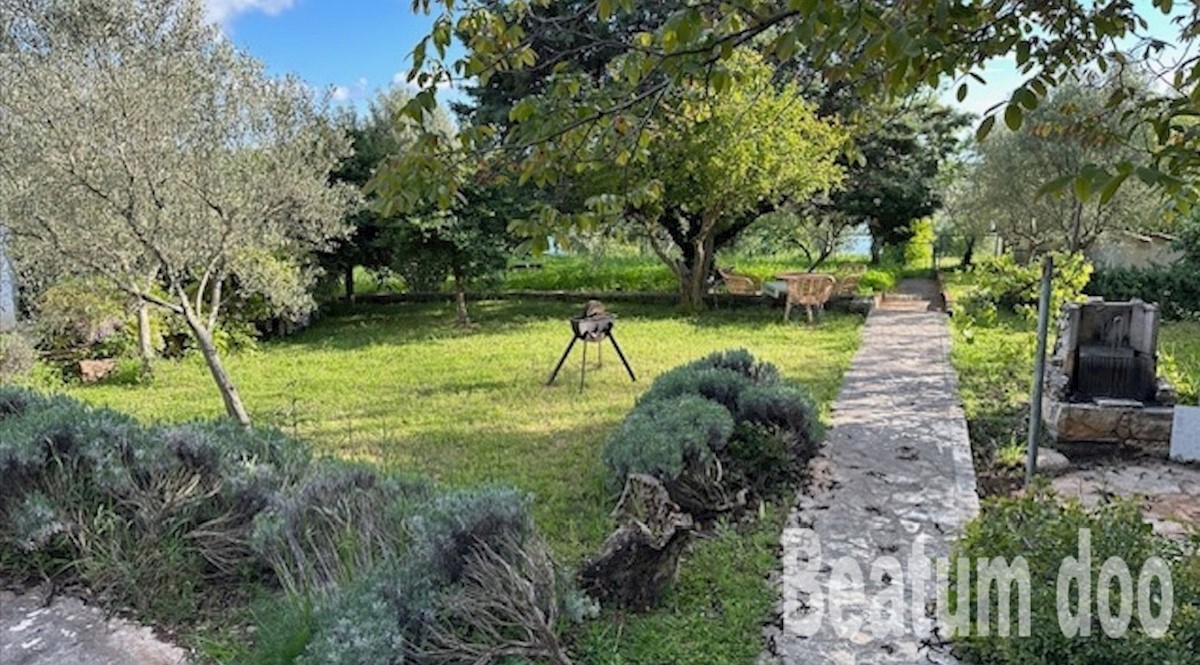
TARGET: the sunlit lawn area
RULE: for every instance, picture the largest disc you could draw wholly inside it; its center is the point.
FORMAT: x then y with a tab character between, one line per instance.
400	386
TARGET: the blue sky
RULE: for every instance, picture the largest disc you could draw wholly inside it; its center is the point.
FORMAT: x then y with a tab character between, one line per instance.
358	47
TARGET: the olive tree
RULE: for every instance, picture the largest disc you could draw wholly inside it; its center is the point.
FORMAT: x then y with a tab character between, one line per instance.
139	147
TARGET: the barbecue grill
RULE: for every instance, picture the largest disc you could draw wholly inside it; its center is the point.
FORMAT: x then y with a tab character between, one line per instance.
594	326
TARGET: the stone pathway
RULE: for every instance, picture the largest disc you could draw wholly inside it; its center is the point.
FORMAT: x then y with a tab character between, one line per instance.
895	479
67	632
1168	493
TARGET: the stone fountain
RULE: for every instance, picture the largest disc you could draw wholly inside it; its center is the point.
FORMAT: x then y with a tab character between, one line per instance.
1102	384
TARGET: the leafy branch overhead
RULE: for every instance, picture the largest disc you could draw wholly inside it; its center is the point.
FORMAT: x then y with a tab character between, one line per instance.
603	64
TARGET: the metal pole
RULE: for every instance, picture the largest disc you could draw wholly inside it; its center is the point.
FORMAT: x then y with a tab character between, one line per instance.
1039	369
8	300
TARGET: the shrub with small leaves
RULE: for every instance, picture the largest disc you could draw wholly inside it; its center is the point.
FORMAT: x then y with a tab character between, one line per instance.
718	384
740	361
17	357
1045	530
667	437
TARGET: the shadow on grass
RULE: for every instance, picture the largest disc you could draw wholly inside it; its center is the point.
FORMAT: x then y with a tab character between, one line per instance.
354	326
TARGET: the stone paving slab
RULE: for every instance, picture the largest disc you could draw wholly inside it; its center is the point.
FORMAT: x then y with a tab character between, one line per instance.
895	477
67	632
1169	494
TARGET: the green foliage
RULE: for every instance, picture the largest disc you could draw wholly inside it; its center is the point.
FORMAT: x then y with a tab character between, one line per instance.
587	274
716	425
667	437
324	384
877	281
337	522
1041	188
79	319
719	384
1179	359
918	249
146	516
1046	531
17	356
1001	284
1175	288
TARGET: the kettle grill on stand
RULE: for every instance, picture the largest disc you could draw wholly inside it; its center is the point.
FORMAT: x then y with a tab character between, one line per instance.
594	326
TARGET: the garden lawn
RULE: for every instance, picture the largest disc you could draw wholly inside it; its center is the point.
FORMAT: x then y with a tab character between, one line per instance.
401	387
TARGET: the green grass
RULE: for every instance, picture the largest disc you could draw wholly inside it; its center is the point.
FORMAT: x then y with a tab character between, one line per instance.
645	273
400	386
1181	343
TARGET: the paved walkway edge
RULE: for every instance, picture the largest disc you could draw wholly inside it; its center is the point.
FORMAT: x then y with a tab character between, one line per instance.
892	488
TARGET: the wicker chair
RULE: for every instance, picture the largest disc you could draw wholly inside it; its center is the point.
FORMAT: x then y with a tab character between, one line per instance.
810	290
848	285
738	284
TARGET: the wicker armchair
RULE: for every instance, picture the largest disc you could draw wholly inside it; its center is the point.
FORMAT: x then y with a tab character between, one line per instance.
847	285
738	284
810	290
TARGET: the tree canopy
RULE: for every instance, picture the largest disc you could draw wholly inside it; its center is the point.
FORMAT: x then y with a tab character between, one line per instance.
139	147
1072	132
880	49
713	164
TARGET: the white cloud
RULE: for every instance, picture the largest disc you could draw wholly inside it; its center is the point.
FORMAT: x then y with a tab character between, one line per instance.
222	11
340	93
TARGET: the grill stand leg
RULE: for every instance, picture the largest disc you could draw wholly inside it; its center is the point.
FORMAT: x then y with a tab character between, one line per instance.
563	359
583	366
622	357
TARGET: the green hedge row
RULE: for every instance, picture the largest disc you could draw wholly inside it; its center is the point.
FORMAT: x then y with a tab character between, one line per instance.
1175	288
170	519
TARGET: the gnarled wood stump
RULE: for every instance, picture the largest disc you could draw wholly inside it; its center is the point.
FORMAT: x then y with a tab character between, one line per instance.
640	559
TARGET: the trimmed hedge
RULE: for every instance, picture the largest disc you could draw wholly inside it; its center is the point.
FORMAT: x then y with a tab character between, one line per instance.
1176	289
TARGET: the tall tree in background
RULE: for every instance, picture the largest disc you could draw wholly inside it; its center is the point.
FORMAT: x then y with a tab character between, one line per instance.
1073	131
139	147
714	164
895	180
381	133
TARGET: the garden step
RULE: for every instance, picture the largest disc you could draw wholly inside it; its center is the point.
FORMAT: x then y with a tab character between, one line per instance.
895	475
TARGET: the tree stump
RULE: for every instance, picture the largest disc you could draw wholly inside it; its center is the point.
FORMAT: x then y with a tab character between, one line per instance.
639	560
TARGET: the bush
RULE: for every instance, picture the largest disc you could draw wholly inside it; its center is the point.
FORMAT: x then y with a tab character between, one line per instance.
777	432
719	427
17	357
740	361
918	249
1002	284
468	559
338	521
720	385
1045	531
147	516
1175	289
668	438
877	281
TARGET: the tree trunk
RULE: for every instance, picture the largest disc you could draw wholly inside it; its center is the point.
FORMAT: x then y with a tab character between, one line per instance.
229	393
348	281
145	343
969	254
876	251
1076	226
460	300
698	266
